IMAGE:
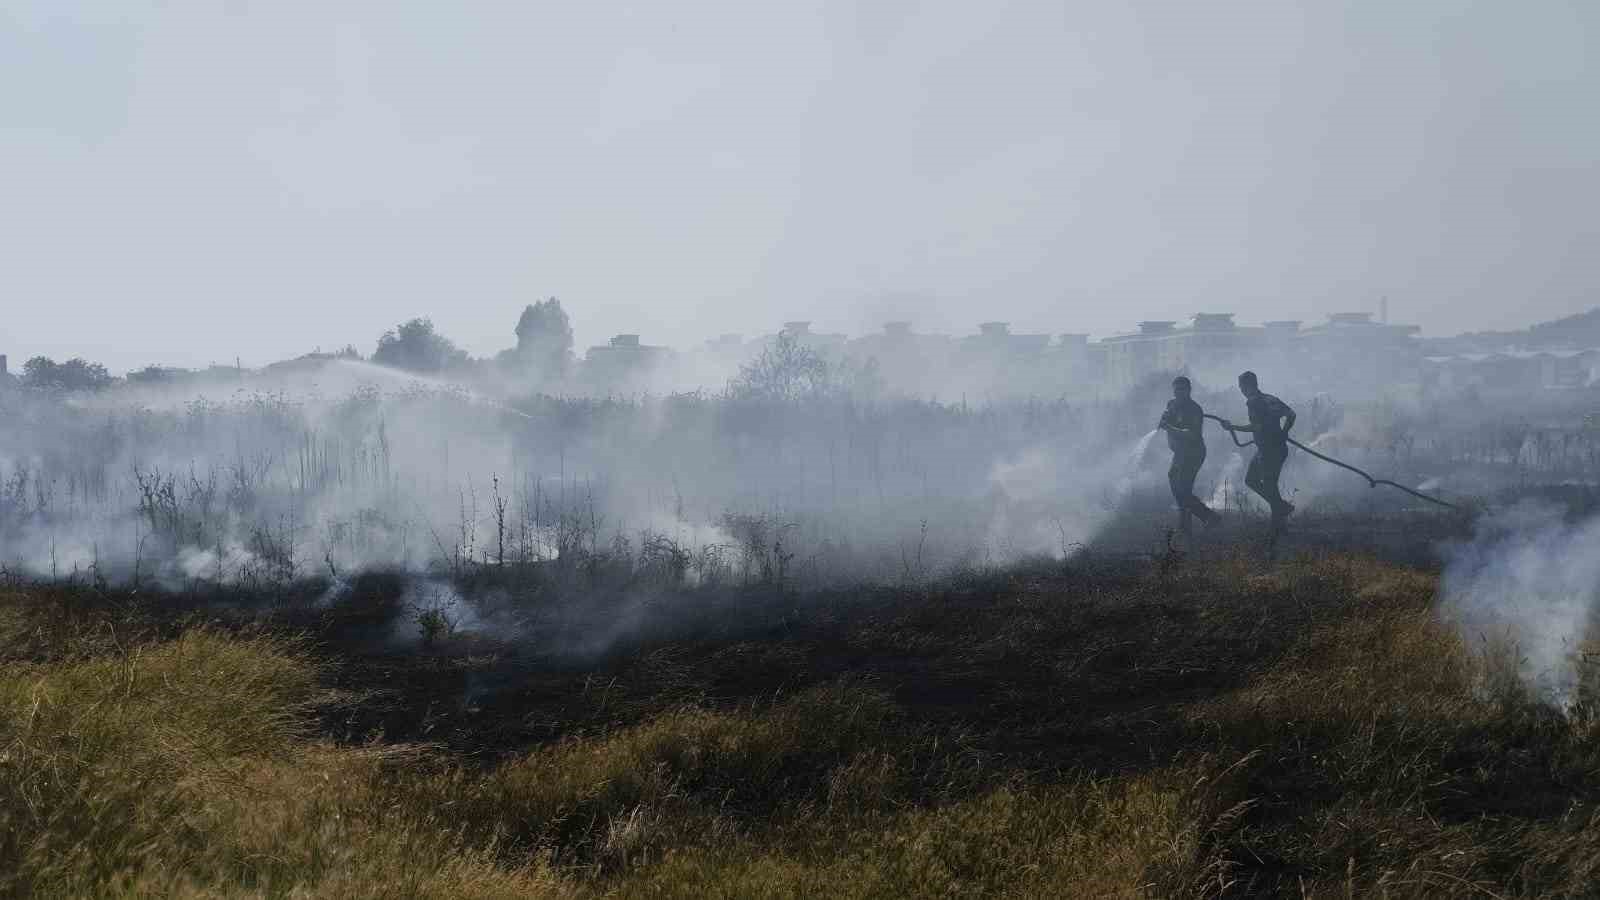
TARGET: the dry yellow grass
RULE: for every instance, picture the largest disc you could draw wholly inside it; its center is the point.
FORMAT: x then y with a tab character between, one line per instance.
1438	774
186	768
1375	755
1141	836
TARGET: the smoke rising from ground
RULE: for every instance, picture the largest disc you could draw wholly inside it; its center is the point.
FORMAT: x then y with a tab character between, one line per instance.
352	466
817	477
1531	577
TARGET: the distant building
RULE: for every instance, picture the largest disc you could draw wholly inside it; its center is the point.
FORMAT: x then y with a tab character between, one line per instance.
1281	330
1516	371
1348	349
898	339
995	339
905	358
1357	328
620	360
997	362
1213	342
729	351
1078	364
1129	358
824	343
1351	350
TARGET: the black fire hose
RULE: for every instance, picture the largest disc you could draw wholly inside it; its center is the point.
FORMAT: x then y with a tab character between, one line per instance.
1371	482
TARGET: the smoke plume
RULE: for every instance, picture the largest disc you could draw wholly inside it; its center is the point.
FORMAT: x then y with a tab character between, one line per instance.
1530	576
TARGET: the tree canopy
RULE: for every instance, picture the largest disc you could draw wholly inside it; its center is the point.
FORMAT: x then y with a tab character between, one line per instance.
416	347
544	339
75	374
785	370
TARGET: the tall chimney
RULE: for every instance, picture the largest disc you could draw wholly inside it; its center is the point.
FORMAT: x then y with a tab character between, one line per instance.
2	365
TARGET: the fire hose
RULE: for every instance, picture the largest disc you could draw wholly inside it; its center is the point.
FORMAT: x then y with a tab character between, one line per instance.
1371	482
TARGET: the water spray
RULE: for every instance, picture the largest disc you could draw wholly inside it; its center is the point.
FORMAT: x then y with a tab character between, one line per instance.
1371	482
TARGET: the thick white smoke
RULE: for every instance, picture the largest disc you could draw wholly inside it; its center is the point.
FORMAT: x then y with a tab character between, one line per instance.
1048	499
328	470
345	466
1230	482
1531	577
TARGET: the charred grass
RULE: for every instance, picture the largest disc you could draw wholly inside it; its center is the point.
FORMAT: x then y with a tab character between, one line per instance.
1229	729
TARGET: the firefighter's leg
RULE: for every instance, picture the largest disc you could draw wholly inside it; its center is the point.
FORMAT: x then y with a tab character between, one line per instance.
1268	466
1253	478
1175	481
1195	505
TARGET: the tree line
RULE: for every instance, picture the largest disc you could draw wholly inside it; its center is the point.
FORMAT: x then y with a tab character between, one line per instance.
543	350
785	370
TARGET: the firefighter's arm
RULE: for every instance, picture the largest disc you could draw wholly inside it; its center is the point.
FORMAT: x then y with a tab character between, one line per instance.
1288	417
1171	420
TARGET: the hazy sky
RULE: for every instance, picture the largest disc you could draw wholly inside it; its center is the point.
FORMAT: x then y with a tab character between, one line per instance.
187	182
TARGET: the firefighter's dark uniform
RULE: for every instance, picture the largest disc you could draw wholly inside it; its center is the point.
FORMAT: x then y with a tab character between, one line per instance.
1272	449
1183	422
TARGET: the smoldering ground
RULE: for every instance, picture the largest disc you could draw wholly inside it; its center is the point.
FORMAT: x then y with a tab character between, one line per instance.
603	505
1528	584
351	468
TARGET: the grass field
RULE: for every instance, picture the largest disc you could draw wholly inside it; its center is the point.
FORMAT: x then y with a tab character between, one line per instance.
1164	728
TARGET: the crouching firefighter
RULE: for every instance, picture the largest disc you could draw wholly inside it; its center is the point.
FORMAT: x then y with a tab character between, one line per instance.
1272	444
1183	422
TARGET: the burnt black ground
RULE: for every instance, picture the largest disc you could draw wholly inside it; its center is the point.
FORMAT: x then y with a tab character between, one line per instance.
1102	665
1131	632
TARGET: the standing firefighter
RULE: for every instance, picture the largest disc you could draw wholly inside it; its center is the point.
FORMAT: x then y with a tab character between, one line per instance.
1183	423
1272	444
